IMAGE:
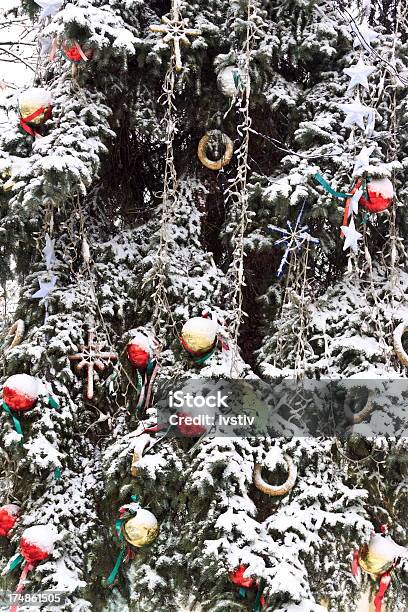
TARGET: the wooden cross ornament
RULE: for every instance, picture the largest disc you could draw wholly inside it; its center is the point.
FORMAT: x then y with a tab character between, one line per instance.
175	32
92	357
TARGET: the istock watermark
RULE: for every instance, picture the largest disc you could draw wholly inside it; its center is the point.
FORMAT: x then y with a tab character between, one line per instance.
180	399
282	408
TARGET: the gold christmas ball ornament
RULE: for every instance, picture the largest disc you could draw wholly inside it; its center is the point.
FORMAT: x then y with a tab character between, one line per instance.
35	105
141	529
199	335
379	555
221	146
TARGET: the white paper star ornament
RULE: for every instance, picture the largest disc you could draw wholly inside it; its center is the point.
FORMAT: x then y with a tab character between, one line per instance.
362	161
355	113
46	286
351	237
364	35
359	74
49	7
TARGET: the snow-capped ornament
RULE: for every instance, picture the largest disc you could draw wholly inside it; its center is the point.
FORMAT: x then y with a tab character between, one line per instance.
141	529
136	527
229	81
274	490
36	545
199	336
139	351
222	148
380	194
380	554
400	351
379	558
35	107
21	392
246	583
8	518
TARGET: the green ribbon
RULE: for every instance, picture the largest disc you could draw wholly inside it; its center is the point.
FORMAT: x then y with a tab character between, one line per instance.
242	592
16	422
52	402
150	367
257	606
118	527
326	186
139	381
203	359
17	561
111	578
57	473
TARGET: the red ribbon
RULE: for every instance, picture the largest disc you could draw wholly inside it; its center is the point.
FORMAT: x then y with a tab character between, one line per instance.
80	51
355	567
53	50
385	581
24	122
21	584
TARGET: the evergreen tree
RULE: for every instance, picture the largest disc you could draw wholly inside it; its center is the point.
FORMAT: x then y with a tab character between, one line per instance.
113	227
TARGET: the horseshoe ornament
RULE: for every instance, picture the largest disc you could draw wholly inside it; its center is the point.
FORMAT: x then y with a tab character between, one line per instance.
18	329
400	352
356	418
142	441
226	157
272	490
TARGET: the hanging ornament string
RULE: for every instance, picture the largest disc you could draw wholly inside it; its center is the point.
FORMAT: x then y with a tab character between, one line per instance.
365	36
158	278
237	191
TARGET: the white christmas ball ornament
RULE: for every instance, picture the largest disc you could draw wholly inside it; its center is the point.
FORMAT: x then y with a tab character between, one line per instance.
229	81
199	335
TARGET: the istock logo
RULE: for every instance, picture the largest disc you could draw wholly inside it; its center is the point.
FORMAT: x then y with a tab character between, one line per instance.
179	399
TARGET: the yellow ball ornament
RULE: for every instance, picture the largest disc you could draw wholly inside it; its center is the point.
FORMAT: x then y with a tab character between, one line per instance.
141	529
379	555
199	335
35	105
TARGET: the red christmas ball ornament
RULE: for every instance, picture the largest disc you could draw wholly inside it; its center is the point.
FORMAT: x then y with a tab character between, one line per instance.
380	193
189	425
21	391
8	517
139	351
37	543
75	53
237	577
